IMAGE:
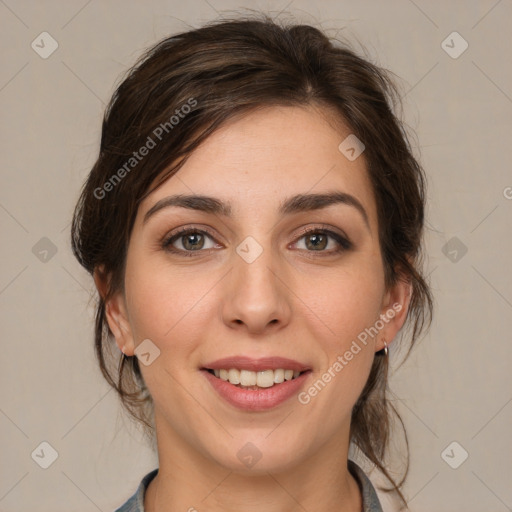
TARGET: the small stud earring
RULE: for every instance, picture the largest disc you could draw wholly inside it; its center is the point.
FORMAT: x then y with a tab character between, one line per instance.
385	348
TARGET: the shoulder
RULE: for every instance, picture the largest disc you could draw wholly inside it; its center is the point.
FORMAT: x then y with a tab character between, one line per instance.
136	502
371	502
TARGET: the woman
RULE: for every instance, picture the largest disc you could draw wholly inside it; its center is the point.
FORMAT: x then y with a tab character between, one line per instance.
253	225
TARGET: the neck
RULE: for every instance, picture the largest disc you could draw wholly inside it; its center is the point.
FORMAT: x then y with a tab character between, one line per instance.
189	481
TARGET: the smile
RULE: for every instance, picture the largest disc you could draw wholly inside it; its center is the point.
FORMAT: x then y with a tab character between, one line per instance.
247	379
254	398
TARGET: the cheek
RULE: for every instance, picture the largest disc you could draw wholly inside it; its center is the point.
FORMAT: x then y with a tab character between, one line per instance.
166	305
344	307
344	302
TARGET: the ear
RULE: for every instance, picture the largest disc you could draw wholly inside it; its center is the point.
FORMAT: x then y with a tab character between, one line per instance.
115	312
395	306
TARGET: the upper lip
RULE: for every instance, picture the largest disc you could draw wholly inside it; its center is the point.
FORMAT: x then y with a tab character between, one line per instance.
256	365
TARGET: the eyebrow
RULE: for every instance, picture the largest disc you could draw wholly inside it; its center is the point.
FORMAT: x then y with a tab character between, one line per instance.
295	204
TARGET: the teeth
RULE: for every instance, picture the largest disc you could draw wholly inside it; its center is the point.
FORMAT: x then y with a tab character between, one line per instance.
263	379
247	378
278	376
234	376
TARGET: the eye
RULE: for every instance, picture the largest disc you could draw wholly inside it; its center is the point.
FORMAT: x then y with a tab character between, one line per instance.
317	240
188	240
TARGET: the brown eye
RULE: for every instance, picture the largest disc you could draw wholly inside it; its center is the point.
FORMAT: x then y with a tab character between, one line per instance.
193	241
187	241
318	240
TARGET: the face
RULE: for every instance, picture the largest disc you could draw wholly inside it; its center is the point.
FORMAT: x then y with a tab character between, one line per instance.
257	274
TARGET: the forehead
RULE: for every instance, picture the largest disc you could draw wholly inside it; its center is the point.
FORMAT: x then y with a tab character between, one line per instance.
267	155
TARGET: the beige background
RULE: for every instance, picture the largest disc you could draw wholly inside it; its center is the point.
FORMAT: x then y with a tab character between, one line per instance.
457	384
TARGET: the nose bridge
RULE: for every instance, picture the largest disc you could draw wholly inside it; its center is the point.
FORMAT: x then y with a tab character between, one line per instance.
257	297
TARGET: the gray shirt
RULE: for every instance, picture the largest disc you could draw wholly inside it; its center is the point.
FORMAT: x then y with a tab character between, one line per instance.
371	502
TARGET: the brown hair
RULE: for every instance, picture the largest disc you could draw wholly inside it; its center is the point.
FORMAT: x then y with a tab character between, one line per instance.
225	69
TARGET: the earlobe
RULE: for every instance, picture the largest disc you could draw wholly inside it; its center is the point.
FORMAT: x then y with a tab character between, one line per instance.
115	313
395	307
117	318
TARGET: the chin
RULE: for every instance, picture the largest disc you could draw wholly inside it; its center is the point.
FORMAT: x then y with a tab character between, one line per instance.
257	457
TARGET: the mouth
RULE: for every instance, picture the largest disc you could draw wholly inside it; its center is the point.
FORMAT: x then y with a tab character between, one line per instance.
256	384
255	380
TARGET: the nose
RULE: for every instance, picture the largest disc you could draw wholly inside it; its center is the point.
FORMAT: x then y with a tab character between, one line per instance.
256	296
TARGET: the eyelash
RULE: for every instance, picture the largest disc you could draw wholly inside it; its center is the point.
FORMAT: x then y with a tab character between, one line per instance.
344	243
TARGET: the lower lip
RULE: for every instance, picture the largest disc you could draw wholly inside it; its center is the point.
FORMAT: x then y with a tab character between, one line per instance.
258	399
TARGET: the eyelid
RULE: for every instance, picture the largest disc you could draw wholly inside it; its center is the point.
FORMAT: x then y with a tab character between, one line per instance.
177	233
327	228
339	236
